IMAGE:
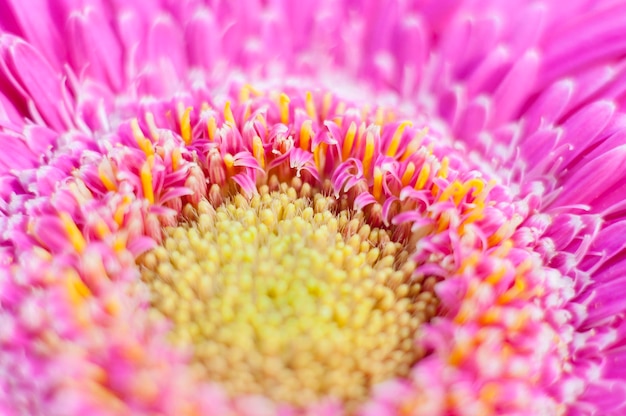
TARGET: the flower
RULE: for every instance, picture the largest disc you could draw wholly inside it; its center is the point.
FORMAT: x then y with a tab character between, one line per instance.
341	207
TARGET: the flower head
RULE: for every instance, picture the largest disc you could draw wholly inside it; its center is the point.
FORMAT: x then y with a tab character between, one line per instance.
337	208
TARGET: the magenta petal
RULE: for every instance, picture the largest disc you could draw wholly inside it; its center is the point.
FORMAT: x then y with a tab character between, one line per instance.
594	179
14	154
606	301
610	242
549	107
93	43
609	397
165	46
490	71
475	118
583	128
513	90
35	77
33	21
595	37
203	47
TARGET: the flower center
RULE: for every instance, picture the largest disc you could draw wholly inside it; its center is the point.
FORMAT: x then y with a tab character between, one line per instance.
290	294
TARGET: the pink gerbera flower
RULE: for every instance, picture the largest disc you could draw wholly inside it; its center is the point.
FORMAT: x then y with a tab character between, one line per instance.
271	208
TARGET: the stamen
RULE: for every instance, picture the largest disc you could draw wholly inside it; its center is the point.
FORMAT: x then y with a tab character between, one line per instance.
104	172
144	144
310	105
306	132
397	136
228	114
408	174
414	144
378	183
154	130
319	156
76	289
185	125
284	108
326	102
258	151
348	141
423	176
146	181
369	152
176	158
211	126
74	234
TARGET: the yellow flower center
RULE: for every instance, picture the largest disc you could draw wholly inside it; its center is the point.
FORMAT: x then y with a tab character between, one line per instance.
289	295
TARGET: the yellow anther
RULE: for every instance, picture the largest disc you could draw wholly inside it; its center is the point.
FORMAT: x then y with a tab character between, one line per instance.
491	316
102	229
473	215
369	152
310	106
247	112
319	156
144	144
477	183
185	125
397	136
76	289
469	261
500	234
152	127
340	110
211	127
244	93
496	276
306	133
458	353
326	102
229	162
515	292
379	118
503	249
146	181
103	173
257	151
136	129
414	144
365	111
284	101
229	118
73	232
119	244
121	210
451	191
444	222
348	141
489	393
408	173
176	158
523	267
378	183
458	190
423	176
443	169
465	313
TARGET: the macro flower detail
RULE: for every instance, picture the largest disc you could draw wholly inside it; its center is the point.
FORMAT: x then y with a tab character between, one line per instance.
408	209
